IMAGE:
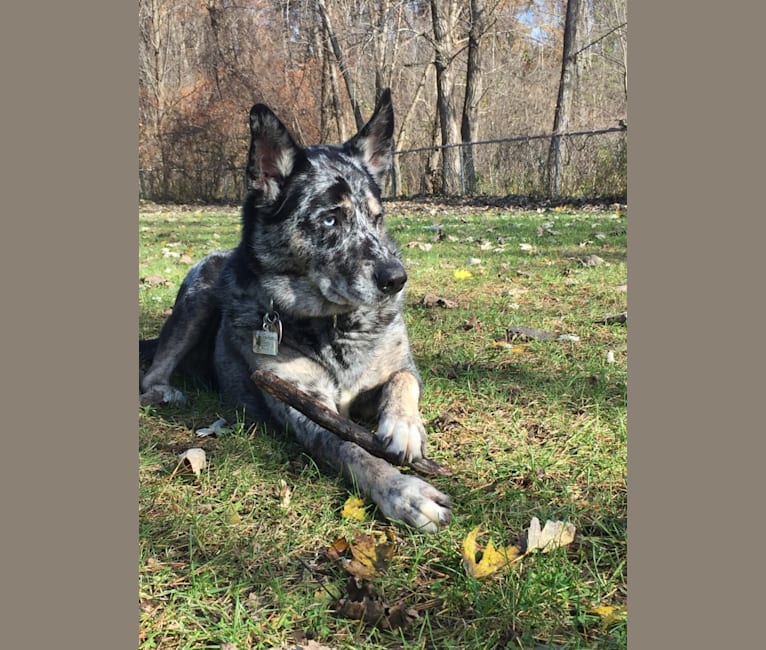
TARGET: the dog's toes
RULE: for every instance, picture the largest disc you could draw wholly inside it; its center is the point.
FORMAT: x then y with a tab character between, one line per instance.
403	437
162	394
414	502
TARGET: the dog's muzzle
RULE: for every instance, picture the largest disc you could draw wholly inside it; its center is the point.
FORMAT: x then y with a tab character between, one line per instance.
390	277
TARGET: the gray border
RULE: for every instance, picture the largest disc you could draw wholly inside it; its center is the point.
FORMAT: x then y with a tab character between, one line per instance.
69	326
695	227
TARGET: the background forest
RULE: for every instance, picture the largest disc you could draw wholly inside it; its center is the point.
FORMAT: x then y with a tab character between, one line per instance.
461	72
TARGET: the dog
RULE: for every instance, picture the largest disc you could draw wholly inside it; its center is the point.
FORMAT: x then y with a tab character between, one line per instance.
314	292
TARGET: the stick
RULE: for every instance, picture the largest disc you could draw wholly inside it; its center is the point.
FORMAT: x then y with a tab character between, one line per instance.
343	427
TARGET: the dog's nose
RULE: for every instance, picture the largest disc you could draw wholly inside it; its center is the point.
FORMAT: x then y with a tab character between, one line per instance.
390	277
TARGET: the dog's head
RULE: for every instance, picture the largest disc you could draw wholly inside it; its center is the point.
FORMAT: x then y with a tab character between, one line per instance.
313	221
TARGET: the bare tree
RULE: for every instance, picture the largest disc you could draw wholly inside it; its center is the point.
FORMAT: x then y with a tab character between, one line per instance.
459	72
474	78
341	59
564	99
444	16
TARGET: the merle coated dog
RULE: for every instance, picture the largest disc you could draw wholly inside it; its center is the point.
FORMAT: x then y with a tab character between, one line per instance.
314	293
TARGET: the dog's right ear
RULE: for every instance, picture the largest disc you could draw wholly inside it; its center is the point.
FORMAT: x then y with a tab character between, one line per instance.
273	153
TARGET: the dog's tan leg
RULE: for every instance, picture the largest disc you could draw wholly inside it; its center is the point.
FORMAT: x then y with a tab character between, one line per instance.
400	426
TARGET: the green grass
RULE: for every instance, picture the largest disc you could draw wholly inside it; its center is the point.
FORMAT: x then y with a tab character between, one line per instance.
536	429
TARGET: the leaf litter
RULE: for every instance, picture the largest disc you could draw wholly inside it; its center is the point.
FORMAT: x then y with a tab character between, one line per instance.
365	557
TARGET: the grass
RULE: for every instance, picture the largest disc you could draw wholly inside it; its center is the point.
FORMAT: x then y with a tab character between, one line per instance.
531	429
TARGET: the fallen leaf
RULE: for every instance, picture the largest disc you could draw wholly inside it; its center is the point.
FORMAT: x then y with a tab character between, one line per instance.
154	281
362	602
431	300
218	428
370	553
447	420
399	616
337	549
615	318
492	559
553	535
285	493
353	509
526	334
463	274
591	260
609	614
193	459
374	550
420	245
471	324
232	516
358	569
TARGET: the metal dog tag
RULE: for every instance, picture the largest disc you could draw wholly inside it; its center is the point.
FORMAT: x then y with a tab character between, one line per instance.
267	339
266	342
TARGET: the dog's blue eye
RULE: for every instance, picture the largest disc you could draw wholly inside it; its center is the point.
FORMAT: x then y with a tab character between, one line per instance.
329	221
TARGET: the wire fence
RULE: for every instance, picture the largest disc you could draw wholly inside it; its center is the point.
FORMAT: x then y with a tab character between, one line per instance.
591	165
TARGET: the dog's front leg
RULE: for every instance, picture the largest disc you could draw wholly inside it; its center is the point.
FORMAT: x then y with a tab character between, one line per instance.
193	313
400	426
400	497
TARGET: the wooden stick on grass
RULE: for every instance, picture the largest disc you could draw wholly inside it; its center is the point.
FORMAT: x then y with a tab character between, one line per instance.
343	427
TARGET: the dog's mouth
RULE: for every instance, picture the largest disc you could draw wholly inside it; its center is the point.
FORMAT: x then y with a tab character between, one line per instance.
341	294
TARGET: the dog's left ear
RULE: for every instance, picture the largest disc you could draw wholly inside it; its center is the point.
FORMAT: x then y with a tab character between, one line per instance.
374	142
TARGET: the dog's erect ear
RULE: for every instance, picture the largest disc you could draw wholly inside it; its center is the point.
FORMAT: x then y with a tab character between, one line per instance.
374	143
273	153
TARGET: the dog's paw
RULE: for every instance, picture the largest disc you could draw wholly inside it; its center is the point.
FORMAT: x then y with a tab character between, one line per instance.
411	500
162	394
403	435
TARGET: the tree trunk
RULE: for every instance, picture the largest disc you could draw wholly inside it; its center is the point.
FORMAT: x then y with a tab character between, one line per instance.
473	92
341	62
564	99
444	15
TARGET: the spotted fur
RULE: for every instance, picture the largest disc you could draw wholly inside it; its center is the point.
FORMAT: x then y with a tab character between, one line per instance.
315	250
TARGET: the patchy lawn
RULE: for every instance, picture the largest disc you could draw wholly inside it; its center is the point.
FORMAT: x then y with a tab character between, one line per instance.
255	551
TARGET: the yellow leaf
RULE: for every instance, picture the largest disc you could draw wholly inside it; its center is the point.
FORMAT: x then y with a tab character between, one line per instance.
353	509
463	274
369	554
609	614
492	559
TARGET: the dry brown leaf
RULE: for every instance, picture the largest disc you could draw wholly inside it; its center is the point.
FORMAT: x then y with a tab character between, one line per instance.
154	281
285	493
399	616
337	549
432	300
553	535
370	553
363	603
193	459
